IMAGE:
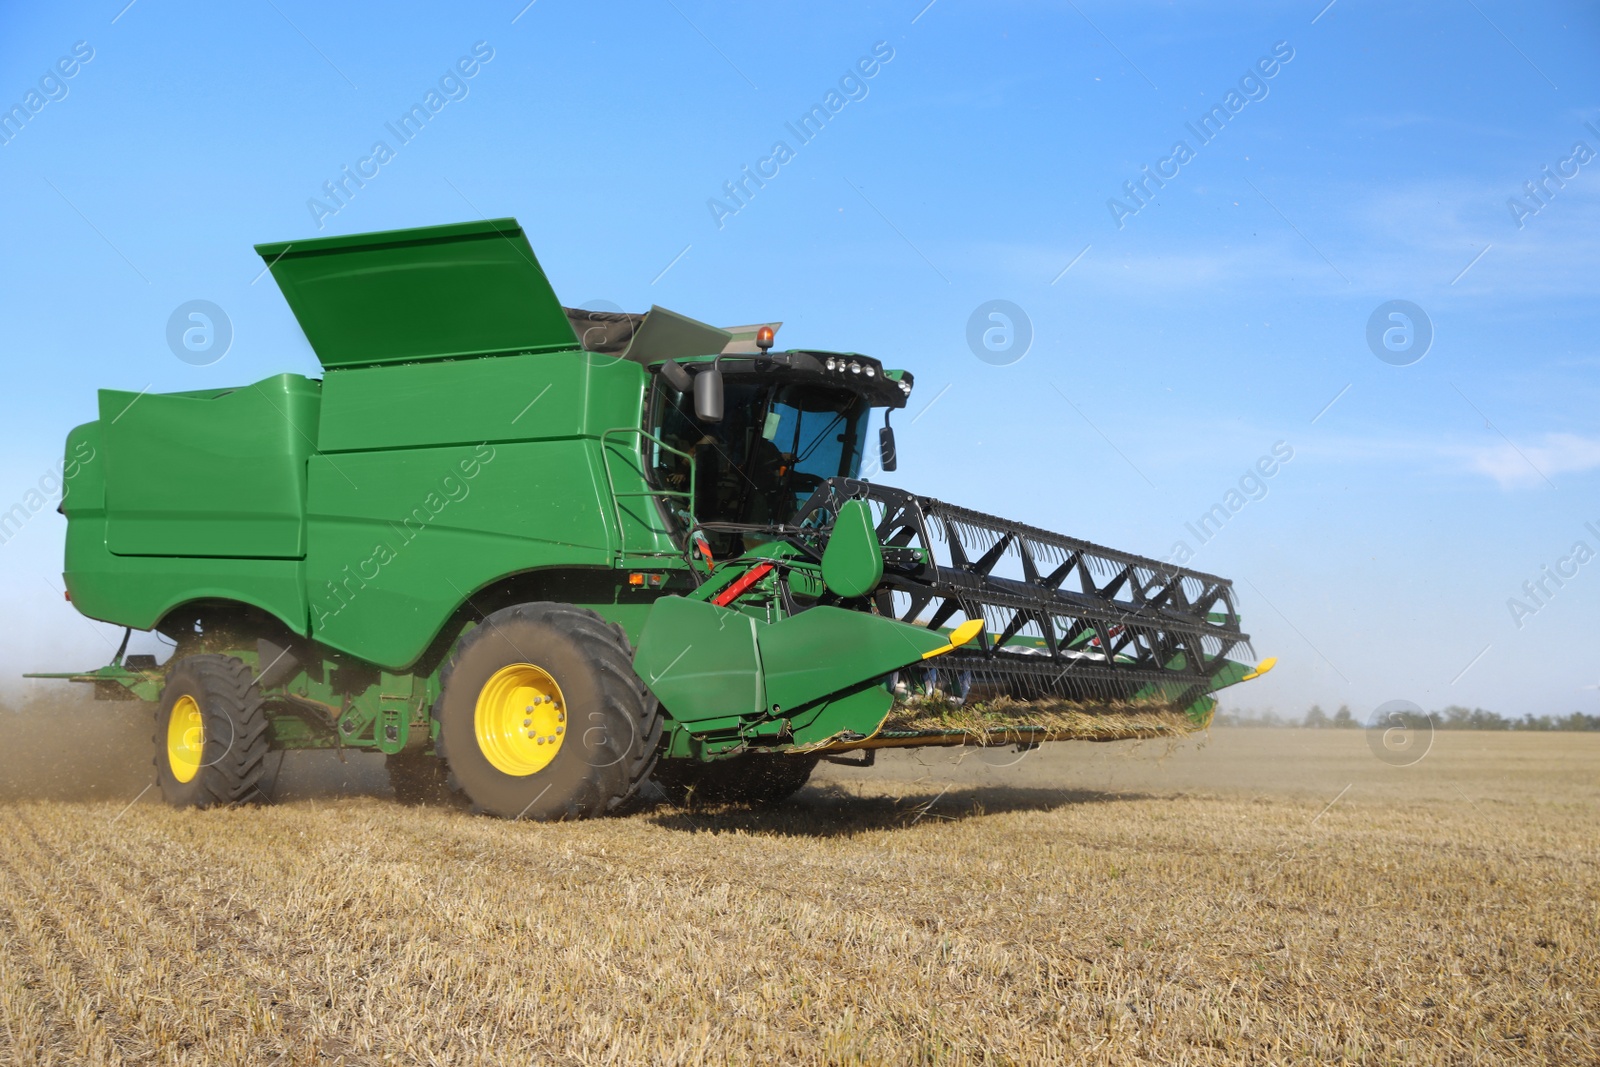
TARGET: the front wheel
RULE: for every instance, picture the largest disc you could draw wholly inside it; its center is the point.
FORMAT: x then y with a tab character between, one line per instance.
211	734
542	717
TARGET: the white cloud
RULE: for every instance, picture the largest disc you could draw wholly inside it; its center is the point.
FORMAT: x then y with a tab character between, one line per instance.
1412	238
1523	466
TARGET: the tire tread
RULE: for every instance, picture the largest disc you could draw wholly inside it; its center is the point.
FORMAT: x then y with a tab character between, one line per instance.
228	690
605	645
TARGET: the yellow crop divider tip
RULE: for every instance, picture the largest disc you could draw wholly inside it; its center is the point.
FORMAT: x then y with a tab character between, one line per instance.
958	637
1261	668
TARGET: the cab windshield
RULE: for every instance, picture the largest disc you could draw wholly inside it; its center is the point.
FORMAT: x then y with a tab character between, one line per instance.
774	446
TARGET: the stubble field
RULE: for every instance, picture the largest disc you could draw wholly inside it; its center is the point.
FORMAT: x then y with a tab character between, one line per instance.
1253	896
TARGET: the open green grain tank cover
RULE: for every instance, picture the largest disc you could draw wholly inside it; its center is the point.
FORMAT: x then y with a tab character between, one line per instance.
403	296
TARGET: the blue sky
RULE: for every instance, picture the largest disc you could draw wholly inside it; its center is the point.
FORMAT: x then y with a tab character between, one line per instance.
976	163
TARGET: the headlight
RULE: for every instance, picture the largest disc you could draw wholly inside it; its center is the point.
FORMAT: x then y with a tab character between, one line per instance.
832	364
855	368
869	370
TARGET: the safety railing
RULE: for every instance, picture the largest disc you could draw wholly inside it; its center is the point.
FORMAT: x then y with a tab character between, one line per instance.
686	495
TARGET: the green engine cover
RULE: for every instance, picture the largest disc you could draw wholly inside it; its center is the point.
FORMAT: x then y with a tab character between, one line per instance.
442	292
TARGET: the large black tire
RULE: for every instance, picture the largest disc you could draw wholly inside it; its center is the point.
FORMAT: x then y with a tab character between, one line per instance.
224	764
418	778
615	724
758	779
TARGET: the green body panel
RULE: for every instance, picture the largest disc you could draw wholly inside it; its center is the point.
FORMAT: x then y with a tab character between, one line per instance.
222	476
700	660
435	293
543	396
852	564
821	651
859	712
708	664
138	591
401	538
471	471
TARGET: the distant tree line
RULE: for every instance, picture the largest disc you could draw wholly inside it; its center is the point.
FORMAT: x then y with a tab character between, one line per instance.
1454	717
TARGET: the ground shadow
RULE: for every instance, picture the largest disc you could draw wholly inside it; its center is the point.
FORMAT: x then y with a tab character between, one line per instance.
827	811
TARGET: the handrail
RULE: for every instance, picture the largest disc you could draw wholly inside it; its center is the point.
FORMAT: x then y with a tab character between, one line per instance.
616	497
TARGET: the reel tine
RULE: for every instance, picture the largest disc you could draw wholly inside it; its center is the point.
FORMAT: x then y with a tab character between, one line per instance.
1118	636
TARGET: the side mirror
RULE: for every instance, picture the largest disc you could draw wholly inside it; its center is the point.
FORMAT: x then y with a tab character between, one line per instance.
675	376
708	393
886	456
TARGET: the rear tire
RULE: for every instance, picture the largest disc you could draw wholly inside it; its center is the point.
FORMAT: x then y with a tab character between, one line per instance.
211	734
542	717
758	779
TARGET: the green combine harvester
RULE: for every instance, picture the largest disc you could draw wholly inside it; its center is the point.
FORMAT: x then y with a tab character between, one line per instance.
537	555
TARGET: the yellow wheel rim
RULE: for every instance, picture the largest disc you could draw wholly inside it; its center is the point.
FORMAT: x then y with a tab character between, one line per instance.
521	719
186	738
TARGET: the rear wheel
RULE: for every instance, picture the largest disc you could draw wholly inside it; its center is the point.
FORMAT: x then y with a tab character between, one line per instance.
541	715
211	734
760	779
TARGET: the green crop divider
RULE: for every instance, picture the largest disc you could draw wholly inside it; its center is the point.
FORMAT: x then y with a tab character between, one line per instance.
605	457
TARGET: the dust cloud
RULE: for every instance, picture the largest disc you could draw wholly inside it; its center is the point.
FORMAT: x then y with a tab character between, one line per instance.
65	745
68	746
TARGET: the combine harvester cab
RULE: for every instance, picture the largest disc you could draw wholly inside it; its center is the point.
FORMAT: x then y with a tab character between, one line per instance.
535	555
